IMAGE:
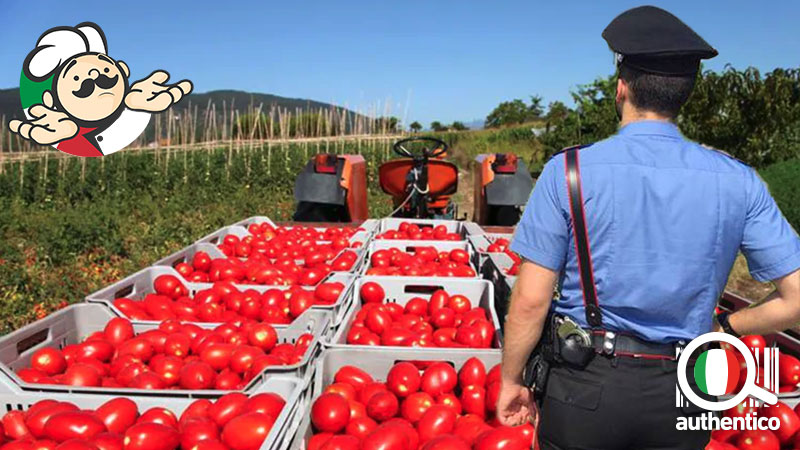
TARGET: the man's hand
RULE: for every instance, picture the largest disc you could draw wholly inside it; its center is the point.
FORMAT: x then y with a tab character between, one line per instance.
515	405
152	95
48	126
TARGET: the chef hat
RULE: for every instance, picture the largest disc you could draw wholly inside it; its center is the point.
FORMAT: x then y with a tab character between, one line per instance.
59	44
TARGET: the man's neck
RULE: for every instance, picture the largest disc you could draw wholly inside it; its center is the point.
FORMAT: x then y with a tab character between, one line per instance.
629	117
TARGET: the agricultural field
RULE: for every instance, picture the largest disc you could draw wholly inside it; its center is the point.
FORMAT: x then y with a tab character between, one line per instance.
72	225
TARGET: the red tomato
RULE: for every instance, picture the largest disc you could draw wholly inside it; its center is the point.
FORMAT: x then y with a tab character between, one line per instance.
436	421
49	361
354	376
118	414
248	431
439	378
14	425
344	389
439	299
267	403
227	407
196	430
198	408
197	375
755	341
300	302
218	356
81	374
382	406
387	436
118	330
360	427
73	425
330	412
158	415
108	441
473	372
148	380
151	436
263	336
415	405
328	293
451	401
473	400
788	370
505	438
789	422
36	418
403	379
758	440
371	292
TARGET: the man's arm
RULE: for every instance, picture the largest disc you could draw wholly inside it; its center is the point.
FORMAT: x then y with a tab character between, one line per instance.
778	312
530	302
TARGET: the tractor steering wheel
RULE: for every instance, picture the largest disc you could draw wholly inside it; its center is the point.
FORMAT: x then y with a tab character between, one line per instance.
439	148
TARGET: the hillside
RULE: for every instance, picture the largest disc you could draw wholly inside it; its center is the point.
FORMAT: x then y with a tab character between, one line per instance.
242	101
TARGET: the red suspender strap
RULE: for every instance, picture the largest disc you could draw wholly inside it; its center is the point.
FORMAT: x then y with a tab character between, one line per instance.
573	173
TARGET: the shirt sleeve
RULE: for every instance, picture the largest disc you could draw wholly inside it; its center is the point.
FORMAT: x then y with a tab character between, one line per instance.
542	235
769	243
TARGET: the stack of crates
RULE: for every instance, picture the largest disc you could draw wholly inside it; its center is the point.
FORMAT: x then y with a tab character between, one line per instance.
328	324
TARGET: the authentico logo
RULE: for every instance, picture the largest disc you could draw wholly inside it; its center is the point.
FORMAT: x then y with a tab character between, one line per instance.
726	377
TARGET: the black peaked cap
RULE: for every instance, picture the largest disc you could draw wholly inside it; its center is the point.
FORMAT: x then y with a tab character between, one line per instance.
653	40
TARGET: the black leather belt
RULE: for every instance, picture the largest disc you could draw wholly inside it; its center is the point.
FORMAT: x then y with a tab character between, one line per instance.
613	344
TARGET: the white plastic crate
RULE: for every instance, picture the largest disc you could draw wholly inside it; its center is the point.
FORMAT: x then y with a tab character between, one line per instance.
74	323
453	226
410	246
377	362
185	255
217	236
401	290
138	285
255	219
12	397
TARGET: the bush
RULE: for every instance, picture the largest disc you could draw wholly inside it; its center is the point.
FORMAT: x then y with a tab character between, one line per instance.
782	179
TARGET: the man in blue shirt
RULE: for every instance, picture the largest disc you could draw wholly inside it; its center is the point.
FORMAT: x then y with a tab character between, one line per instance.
665	219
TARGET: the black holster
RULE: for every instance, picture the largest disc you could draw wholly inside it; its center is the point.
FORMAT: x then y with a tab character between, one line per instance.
537	369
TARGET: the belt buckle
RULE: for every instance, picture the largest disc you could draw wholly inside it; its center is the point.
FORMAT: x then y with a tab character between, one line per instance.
609	343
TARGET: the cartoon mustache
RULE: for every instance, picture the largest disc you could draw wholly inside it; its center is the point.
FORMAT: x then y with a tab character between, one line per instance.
88	85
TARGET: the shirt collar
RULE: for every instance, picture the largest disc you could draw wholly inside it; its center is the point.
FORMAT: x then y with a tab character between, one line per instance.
651	127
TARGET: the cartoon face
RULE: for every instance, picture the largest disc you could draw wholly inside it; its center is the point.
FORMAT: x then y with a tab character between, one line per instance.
91	87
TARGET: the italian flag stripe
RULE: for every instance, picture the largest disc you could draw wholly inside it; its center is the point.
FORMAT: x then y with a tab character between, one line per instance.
716	372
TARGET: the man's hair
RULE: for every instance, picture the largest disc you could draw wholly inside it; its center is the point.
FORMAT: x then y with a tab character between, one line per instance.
662	94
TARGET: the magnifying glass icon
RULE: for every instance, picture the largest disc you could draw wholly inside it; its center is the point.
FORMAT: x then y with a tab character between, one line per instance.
748	389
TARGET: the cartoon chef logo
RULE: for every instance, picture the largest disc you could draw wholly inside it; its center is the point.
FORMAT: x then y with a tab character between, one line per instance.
79	99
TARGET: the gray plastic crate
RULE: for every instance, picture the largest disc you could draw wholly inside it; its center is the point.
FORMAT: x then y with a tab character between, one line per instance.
138	285
255	219
473	229
376	362
291	389
401	290
494	269
410	246
74	323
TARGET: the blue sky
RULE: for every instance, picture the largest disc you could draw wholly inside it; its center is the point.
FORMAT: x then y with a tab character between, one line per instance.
428	60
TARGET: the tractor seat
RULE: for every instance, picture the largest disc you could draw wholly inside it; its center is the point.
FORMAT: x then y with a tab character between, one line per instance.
442	177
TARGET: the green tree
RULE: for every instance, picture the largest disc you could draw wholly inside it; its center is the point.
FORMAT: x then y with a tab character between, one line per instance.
458	126
415	126
437	126
515	112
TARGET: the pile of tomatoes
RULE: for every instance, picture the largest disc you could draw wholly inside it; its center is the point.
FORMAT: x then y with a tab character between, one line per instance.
305	249
443	321
261	270
224	302
173	356
268	232
232	422
425	261
413	232
788	435
429	409
501	245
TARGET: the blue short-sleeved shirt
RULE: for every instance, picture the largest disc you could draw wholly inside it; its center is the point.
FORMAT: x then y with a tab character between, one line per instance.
666	218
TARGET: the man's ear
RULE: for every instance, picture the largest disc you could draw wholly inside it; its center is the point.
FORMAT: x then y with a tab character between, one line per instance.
124	68
47	99
622	91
